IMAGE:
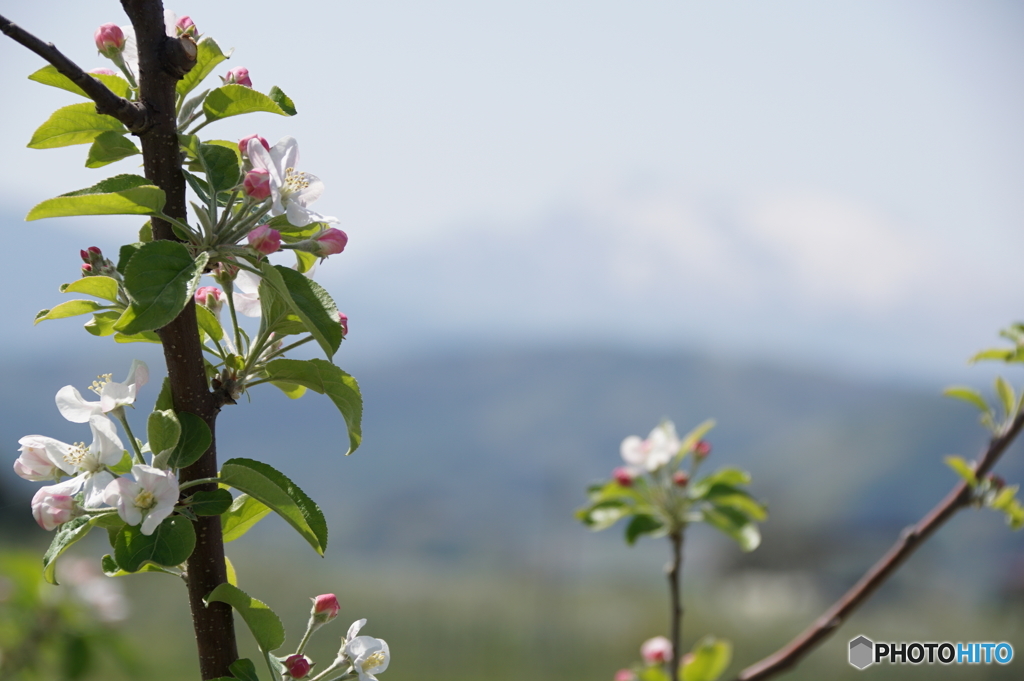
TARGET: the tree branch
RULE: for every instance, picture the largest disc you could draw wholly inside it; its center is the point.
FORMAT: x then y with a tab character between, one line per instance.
675	571
910	539
131	114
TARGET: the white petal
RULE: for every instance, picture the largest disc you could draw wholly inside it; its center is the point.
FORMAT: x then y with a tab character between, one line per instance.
138	375
116	395
74	407
286	154
248	304
353	630
94	487
633	451
105	442
313	190
246	281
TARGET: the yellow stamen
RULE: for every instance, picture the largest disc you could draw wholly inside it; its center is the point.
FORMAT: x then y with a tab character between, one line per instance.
97	385
145	499
374	660
77	453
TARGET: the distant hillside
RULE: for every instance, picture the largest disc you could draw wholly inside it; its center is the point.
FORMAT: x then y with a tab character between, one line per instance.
487	453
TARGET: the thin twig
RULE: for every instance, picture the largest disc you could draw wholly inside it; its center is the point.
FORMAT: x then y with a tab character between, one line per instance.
910	539
675	570
131	114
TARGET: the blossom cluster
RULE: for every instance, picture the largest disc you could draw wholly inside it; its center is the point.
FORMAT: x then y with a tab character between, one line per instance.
146	498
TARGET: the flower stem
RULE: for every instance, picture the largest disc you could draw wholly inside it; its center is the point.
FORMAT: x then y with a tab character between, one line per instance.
193	483
120	415
310	628
675	573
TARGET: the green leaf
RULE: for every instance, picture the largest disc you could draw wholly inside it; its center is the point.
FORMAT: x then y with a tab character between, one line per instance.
967	394
195	440
208	55
992	353
125	254
170	544
163	429
642	524
245	512
309	301
264	624
1004	498
963	469
1006	397
244	670
282	100
122	467
655	673
49	75
222	166
71	308
108	147
710	659
208	322
734	524
740	500
603	514
118	195
696	435
232	100
102	323
269	486
74	124
165	399
323	377
144	337
101	287
161	278
112	569
293	391
214	502
67	534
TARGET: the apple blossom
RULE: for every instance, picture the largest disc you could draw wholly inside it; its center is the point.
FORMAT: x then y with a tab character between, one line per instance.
257	184
184	26
210	297
246	295
291	190
239	76
657	650
148	499
34	463
243	144
325	607
90	463
623	475
328	242
54	505
367	655
112	395
654	452
110	40
103	72
702	448
343	320
298	666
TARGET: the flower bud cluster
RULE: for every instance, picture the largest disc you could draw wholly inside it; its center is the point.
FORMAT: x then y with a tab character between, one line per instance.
96	264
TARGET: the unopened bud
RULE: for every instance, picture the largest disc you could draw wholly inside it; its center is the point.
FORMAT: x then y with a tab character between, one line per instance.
325	608
657	650
702	448
225	272
681	478
343	320
109	40
102	72
184	26
210	297
238	76
327	242
51	508
625	675
995	481
623	476
85	256
265	239
257	184
297	666
243	144
86	270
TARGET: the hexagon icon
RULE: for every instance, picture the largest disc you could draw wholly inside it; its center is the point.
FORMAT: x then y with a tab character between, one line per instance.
862	652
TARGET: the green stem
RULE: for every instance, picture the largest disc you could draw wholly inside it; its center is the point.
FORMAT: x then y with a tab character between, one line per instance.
310	628
193	483
286	348
120	416
200	127
229	290
179	223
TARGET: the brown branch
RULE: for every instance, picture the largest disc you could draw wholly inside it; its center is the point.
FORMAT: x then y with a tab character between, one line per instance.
162	62
909	540
674	572
133	115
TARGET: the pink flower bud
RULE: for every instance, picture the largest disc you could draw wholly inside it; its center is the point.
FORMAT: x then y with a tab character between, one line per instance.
657	650
109	40
238	75
50	508
330	242
103	72
623	476
225	272
257	184
681	478
33	464
210	297
243	144
184	26
86	270
625	675
343	320
95	250
297	665
702	449
85	256
325	608
265	239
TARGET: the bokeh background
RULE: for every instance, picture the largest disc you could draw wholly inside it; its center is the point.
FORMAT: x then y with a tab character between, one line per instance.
567	221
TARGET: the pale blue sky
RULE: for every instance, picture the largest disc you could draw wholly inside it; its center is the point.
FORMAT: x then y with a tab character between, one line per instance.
786	179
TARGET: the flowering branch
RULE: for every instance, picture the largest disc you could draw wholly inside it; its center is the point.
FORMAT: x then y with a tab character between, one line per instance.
959	497
134	116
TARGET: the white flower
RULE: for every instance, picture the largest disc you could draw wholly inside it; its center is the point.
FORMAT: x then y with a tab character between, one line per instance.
246	293
292	191
148	499
34	464
654	452
367	655
90	462
112	395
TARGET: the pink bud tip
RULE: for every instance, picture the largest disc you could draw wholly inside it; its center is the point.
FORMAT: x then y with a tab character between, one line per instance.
702	449
239	76
109	39
343	320
623	476
86	268
325	607
625	675
257	184
330	242
102	72
657	650
85	255
297	665
265	239
50	509
243	144
185	26
95	250
681	478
